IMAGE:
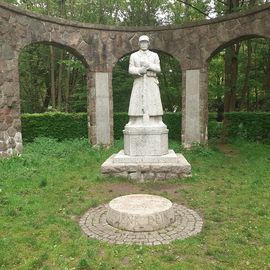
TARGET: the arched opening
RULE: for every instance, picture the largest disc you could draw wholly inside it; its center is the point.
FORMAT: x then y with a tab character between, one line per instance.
52	79
239	76
239	82
170	85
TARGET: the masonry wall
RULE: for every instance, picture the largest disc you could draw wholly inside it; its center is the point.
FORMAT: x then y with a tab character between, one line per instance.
100	47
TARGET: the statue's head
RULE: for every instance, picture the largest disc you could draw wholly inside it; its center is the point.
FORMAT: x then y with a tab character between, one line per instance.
144	42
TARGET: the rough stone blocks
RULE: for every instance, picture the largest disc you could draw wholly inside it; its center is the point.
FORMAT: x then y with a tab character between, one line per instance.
146	169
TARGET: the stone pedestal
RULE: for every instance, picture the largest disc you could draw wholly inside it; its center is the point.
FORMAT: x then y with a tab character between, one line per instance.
146	140
146	155
140	213
146	167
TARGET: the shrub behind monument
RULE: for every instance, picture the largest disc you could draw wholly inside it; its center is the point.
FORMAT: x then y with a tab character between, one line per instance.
61	126
248	125
56	125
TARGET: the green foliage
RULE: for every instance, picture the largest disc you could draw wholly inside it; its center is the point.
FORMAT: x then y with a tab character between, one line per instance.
170	83
34	78
122	85
174	123
120	120
62	126
252	93
177	12
58	125
83	265
250	126
172	120
43	183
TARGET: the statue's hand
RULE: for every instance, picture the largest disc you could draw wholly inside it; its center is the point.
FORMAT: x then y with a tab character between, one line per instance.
145	64
142	70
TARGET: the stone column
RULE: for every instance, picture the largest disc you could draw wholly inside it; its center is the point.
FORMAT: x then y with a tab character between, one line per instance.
10	122
194	107
100	109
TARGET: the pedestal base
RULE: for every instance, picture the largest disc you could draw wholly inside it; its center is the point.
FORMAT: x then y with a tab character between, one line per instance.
147	167
146	140
140	213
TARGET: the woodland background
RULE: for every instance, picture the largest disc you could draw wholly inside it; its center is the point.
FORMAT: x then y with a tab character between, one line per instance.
53	79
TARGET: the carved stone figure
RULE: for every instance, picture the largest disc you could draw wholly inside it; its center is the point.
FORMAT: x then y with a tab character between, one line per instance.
145	133
145	96
146	154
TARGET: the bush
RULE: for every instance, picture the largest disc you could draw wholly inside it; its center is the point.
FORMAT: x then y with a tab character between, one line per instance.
172	120
120	119
58	125
63	126
247	125
174	124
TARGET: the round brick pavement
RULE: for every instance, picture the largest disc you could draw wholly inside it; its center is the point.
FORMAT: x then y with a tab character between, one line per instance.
187	223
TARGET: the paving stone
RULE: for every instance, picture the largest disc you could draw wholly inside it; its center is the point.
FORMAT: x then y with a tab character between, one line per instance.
94	225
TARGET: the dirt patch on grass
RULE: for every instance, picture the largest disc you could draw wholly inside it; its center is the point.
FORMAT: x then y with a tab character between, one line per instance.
120	189
170	191
228	150
167	190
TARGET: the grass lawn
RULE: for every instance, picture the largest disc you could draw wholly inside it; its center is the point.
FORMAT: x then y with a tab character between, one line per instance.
45	191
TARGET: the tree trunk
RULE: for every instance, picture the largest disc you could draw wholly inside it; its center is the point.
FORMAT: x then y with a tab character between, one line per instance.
72	81
187	7
62	8
232	5
245	95
234	74
231	72
59	95
47	99
67	90
48	7
52	58
256	95
231	66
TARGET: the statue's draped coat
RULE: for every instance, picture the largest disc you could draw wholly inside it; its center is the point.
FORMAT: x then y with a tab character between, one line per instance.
145	95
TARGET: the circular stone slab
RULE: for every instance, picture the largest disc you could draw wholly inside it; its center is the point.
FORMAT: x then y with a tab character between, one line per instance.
140	213
187	223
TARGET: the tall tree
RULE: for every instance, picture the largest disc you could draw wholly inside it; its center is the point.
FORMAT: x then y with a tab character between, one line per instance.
52	76
231	66
244	102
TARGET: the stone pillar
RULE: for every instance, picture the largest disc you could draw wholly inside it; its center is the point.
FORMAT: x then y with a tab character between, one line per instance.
10	122
194	107
100	109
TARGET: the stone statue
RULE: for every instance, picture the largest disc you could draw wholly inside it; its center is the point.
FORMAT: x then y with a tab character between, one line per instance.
145	103
146	154
145	133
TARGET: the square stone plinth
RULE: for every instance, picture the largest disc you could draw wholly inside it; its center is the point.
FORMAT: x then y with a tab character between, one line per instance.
142	140
143	168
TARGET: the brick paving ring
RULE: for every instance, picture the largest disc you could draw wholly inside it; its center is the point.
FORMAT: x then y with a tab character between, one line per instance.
187	223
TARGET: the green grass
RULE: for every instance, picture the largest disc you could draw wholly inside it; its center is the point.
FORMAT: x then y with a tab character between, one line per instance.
45	191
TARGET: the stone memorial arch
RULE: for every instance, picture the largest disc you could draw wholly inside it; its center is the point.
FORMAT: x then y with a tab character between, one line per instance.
99	47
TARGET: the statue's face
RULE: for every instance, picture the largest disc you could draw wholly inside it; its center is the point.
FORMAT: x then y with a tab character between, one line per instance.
144	45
